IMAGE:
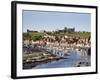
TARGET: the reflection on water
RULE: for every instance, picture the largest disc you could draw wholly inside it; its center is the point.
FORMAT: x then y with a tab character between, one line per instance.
72	60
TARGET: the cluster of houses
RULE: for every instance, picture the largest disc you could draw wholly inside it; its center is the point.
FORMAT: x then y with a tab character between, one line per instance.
65	41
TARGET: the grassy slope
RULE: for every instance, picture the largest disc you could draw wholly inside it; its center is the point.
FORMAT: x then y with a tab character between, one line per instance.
79	34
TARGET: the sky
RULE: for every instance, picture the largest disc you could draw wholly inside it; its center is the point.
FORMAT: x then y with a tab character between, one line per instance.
52	21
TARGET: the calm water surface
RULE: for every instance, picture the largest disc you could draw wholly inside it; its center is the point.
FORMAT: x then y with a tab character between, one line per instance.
71	61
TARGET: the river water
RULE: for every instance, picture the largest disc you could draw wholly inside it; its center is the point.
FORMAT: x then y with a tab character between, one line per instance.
71	60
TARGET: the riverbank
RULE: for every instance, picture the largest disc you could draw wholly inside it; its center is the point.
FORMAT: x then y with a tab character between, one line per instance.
38	57
71	61
32	64
49	55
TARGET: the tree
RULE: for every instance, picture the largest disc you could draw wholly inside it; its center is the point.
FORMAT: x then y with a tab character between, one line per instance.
26	36
36	35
